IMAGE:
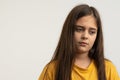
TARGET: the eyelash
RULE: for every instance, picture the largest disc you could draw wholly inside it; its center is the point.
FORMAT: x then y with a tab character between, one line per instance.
80	30
92	32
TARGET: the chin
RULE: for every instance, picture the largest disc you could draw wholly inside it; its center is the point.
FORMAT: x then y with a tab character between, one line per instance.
83	50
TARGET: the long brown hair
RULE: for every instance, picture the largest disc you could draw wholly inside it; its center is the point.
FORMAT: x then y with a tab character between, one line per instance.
65	50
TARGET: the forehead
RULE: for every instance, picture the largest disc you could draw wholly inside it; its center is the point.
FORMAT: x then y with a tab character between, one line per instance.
87	21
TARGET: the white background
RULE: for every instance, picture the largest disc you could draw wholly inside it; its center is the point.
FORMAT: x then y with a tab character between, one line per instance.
30	29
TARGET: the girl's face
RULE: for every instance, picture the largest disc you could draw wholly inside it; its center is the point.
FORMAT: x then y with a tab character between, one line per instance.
85	33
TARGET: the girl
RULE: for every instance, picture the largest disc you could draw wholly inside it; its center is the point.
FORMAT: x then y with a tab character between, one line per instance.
80	52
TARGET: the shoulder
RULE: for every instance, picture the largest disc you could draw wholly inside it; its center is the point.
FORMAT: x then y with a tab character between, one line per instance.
109	63
109	66
111	71
48	71
51	65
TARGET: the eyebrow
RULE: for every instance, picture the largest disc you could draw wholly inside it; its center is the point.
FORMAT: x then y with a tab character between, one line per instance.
83	27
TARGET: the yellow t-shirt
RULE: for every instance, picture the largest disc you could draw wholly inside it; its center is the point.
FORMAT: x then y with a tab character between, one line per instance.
81	74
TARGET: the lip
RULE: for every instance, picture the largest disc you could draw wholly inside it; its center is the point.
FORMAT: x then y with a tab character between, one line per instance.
83	43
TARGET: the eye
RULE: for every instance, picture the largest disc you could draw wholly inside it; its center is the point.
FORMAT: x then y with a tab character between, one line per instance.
92	32
79	29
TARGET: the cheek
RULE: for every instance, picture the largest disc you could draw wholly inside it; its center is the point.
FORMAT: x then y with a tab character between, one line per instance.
93	40
77	37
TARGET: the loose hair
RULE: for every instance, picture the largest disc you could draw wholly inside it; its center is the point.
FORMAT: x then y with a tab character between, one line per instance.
65	50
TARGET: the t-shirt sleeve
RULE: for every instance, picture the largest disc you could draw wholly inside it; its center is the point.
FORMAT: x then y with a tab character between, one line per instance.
112	73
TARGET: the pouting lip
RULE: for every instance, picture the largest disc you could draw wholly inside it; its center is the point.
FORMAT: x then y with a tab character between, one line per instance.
83	43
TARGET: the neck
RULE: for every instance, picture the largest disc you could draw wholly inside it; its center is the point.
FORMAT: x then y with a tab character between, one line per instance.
82	56
82	60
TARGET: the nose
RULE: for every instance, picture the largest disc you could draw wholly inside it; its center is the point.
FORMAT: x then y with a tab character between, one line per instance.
85	35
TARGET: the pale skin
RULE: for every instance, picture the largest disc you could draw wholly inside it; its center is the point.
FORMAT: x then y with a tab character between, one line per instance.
85	36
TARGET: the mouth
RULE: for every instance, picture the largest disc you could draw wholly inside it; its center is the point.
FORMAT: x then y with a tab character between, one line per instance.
83	43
